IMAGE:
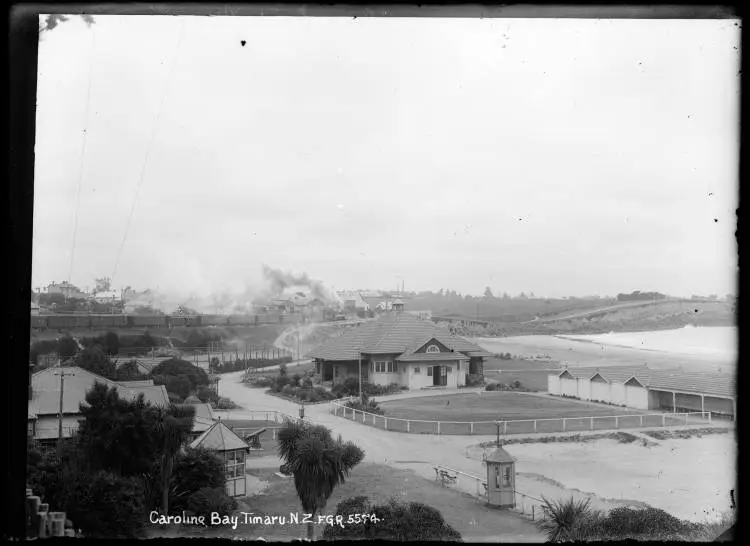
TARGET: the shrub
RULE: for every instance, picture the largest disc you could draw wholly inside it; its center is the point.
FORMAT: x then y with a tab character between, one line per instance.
194	469
339	391
260	381
366	404
626	521
560	516
398	521
295	381
226	404
109	506
211	499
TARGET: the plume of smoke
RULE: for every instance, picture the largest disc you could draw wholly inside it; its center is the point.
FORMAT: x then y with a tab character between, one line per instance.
227	302
279	281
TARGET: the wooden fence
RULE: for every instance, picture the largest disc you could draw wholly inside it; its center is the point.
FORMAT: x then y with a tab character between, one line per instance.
525	426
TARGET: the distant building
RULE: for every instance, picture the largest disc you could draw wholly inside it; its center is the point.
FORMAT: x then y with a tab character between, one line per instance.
110	296
353	301
34	308
66	289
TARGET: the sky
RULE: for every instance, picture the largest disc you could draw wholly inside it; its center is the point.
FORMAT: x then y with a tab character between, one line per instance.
560	157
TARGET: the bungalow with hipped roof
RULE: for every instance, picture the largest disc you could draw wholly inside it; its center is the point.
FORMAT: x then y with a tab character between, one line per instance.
400	348
44	399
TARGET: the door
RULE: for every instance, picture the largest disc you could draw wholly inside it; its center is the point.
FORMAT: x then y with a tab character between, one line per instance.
443	376
436	376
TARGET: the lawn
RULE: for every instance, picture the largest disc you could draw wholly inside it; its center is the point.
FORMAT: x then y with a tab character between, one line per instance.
492	406
468	515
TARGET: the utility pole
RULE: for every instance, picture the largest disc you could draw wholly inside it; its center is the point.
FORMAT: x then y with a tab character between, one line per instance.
497	442
62	375
298	355
359	353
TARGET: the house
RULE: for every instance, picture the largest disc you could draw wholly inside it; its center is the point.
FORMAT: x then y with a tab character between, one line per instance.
232	449
106	297
400	348
66	289
353	301
44	399
640	387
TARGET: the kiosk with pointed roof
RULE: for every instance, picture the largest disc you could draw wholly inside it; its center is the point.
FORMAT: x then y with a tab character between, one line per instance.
232	449
501	478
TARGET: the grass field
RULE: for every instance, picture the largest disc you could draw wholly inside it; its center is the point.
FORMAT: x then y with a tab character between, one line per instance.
469	516
489	406
455	412
532	374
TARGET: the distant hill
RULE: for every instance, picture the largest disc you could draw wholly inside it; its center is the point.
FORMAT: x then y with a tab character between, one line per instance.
625	317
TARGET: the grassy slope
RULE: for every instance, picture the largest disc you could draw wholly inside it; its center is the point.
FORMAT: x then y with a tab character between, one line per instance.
467	515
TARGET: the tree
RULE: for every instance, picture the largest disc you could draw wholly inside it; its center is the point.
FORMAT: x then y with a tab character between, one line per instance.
96	361
129	372
173	425
111	343
117	435
195	469
66	348
488	292
179	376
506	296
318	462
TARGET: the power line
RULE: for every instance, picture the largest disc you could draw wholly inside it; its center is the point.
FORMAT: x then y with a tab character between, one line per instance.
148	152
83	155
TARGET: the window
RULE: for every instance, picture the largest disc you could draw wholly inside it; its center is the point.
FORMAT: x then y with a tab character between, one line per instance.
429	371
433	349
506	475
416	370
380	367
391	367
497	477
448	369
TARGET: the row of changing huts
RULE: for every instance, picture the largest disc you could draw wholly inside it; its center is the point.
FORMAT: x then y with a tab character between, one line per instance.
642	388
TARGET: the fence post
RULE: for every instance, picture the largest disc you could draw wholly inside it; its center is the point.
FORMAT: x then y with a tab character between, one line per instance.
564	423
532	512
408	426
534	425
592	423
641	420
438	427
664	419
386	423
364	416
709	417
686	418
617	422
471	428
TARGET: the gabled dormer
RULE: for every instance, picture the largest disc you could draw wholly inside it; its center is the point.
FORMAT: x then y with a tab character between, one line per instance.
433	346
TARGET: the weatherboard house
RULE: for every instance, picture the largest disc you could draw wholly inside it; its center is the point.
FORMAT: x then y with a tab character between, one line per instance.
400	348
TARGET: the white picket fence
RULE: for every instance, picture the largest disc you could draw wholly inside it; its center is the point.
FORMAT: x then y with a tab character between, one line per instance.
524	426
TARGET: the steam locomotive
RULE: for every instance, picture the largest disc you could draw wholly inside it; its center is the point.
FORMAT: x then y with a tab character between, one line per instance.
70	322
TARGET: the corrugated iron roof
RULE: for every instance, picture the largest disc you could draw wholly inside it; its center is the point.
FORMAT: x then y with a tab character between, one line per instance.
392	334
46	390
219	438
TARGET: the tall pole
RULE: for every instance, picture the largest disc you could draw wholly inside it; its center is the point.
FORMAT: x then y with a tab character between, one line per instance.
497	442
359	351
62	375
298	355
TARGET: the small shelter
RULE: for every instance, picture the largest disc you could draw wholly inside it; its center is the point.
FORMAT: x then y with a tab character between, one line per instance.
232	449
501	479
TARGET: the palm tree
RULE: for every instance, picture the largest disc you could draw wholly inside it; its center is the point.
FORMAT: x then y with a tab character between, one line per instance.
318	462
172	428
